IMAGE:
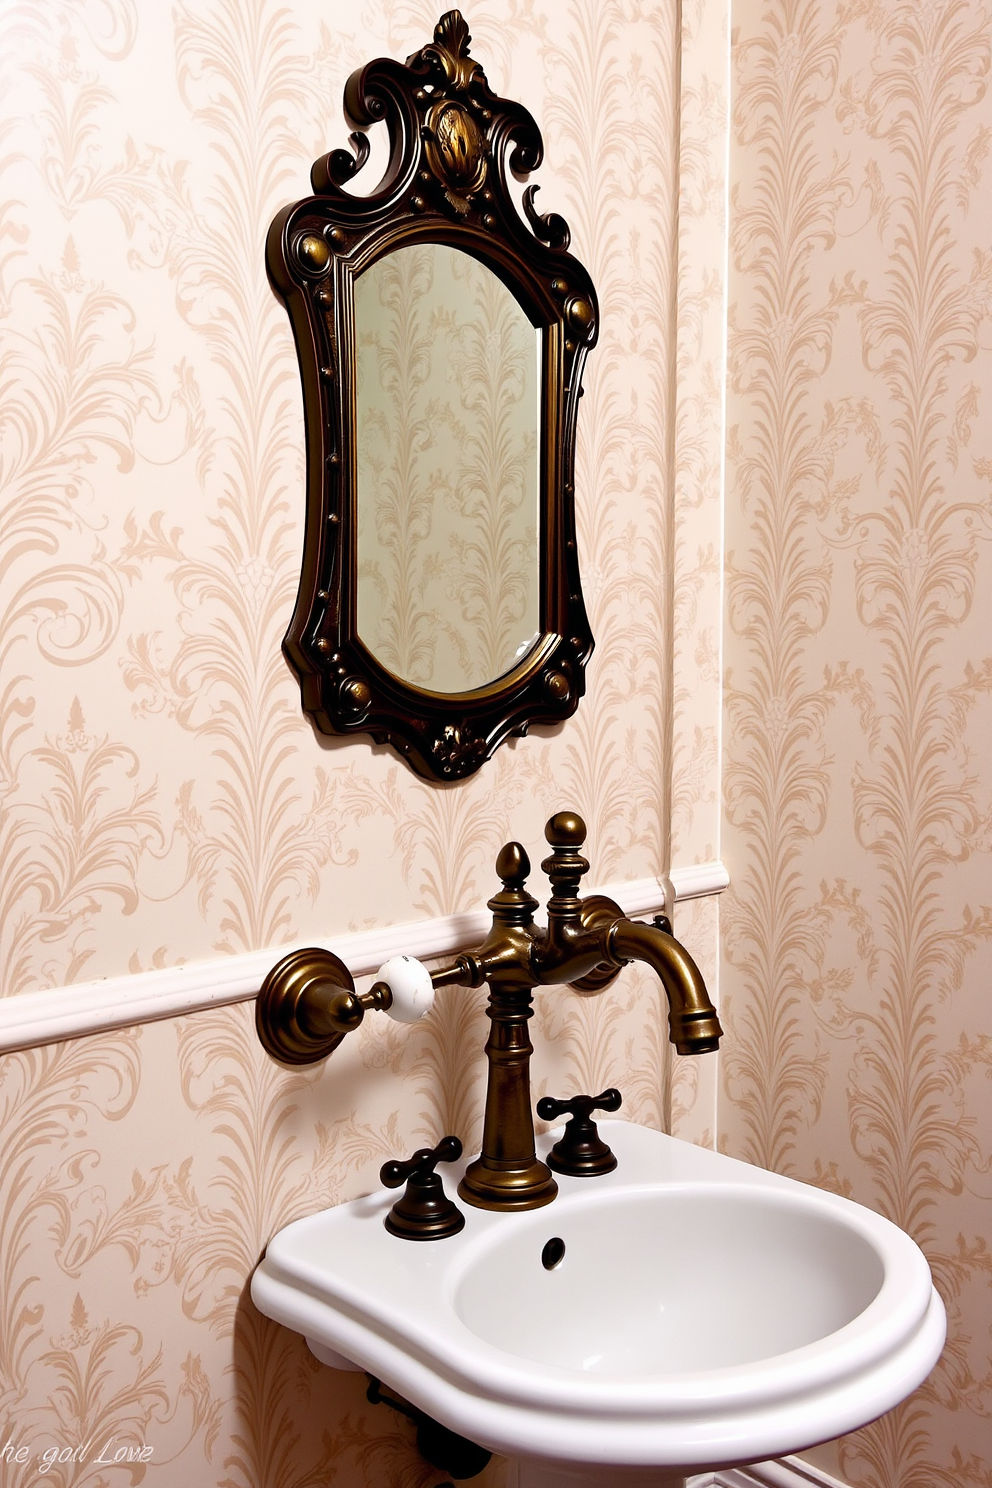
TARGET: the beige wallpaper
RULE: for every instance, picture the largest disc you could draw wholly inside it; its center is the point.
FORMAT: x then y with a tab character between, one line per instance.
694	518
858	945
161	797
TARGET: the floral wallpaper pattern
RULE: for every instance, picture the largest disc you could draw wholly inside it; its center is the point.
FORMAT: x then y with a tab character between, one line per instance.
858	932
162	798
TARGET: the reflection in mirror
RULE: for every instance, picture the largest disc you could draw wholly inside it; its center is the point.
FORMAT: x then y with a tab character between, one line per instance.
447	426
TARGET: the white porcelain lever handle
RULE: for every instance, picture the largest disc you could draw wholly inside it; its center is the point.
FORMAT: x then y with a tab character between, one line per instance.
411	986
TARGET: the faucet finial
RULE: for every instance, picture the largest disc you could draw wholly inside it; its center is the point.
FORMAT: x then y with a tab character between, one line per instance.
513	905
565	832
512	865
565	829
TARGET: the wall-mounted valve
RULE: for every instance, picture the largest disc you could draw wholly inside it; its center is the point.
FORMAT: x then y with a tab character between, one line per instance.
580	1151
424	1212
308	1002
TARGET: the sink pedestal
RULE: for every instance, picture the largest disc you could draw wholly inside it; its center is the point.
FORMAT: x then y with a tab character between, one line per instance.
530	1474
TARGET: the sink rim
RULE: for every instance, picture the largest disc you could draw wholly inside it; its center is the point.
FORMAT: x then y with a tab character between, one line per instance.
899	1307
709	1418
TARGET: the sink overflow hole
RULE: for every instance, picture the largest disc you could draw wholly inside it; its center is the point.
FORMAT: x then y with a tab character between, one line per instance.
552	1253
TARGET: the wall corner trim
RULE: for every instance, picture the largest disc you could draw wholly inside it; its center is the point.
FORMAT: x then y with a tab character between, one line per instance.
783	1472
48	1016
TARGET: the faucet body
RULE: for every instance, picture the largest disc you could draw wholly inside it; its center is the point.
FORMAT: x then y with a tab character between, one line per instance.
586	940
308	1002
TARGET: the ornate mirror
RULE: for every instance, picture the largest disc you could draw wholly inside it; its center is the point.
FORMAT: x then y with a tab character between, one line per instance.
441	338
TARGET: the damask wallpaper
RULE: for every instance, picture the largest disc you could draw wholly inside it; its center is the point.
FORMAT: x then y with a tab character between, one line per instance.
162	799
858	932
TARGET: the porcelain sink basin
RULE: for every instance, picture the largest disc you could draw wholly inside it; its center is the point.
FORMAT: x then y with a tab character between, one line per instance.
703	1312
676	1280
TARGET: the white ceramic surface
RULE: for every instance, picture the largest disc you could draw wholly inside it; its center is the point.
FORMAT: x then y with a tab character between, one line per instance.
411	986
705	1312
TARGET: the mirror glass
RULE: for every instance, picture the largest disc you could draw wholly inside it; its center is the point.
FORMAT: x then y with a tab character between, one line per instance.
448	385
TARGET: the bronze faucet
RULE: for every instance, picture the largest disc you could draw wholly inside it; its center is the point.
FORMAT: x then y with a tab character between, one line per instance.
308	1001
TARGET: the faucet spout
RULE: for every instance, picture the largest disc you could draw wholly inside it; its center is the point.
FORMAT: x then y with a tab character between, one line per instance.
692	1018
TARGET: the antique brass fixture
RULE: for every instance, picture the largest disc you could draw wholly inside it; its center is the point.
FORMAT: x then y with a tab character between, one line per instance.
580	1151
424	1212
308	998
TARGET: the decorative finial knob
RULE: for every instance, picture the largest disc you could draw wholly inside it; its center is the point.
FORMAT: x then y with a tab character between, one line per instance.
566	829
512	865
566	832
513	905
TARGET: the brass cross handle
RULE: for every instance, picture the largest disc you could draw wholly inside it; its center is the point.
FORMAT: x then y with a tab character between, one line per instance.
424	1212
580	1151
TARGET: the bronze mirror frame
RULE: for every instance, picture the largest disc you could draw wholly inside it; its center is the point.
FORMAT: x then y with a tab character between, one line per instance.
451	143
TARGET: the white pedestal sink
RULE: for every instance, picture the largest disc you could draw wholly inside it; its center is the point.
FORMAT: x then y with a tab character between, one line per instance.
704	1314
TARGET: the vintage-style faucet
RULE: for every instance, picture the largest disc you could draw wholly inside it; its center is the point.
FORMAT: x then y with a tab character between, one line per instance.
308	1001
